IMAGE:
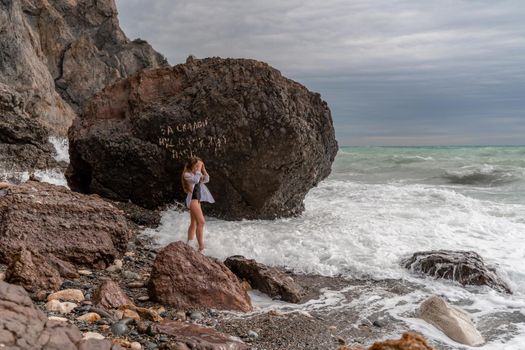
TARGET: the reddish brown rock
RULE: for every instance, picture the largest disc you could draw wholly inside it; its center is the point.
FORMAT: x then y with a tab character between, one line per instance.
196	337
408	341
33	272
109	295
24	327
268	280
50	219
266	139
184	278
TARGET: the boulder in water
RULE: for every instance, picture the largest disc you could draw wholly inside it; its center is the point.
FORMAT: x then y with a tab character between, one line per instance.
465	267
451	320
267	279
49	219
184	278
266	140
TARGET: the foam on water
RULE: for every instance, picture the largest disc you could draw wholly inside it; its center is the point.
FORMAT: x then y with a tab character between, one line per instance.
358	228
61	148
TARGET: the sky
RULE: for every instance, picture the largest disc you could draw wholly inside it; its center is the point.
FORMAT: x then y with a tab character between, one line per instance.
394	72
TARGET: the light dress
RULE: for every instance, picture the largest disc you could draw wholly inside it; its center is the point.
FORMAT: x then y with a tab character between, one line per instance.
198	178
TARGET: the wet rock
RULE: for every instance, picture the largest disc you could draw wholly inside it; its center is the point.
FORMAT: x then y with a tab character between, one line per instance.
120	328
253	335
467	268
451	320
184	278
49	219
32	271
146	126
266	279
61	307
27	328
196	337
408	341
109	295
67	295
196	315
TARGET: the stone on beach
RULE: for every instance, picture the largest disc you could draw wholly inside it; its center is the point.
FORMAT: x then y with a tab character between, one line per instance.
467	268
109	295
49	219
32	271
196	337
408	341
90	317
266	139
60	307
67	295
184	278
451	320
266	279
24	327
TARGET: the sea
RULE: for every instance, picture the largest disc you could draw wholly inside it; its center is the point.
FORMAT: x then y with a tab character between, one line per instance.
379	206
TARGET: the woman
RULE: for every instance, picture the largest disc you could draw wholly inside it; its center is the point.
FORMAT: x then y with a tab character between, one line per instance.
194	176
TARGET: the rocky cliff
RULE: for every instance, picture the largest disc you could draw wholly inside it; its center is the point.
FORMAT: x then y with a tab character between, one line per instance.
58	53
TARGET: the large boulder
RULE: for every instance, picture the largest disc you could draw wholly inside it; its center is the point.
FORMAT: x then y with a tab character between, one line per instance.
24	327
109	295
266	279
266	140
451	320
191	336
408	341
50	219
465	267
58	53
184	278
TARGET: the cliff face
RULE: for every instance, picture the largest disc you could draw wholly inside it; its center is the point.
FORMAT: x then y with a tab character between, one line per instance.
57	53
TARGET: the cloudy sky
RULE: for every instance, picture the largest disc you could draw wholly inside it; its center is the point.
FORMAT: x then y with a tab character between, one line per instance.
394	72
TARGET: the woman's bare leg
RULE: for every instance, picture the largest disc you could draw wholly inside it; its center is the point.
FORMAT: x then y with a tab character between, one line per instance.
192	227
196	209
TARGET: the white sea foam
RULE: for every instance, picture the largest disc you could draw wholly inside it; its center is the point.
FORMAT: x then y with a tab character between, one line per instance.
61	148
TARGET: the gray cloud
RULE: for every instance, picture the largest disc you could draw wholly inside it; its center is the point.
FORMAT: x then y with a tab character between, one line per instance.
393	72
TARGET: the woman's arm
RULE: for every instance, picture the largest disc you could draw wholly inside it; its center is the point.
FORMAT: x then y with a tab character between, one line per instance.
205	177
193	178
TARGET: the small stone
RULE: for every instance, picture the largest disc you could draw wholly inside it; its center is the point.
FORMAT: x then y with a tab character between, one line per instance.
332	328
163	338
135	285
67	295
130	254
135	346
120	328
130	314
93	335
130	275
40	295
181	315
276	313
196	315
90	317
379	323
57	306
117	266
143	298
122	342
341	340
67	284
2	276
56	318
179	346
104	327
152	346
84	272
118	314
253	335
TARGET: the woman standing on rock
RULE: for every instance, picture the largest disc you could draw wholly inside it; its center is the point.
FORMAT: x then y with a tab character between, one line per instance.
194	176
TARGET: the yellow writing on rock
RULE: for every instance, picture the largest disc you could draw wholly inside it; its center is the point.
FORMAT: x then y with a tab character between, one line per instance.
182	146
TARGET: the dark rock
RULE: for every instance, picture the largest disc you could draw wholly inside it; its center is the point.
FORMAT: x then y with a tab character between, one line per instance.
33	272
146	126
464	267
64	268
196	337
266	279
184	278
120	328
50	219
24	327
109	295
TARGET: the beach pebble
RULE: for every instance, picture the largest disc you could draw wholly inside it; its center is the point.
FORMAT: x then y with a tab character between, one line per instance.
136	346
379	323
92	335
253	335
135	285
117	266
181	315
196	315
2	276
41	295
90	317
163	338
130	254
179	346
143	298
130	275
120	328
61	307
130	314
84	272
67	295
56	318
